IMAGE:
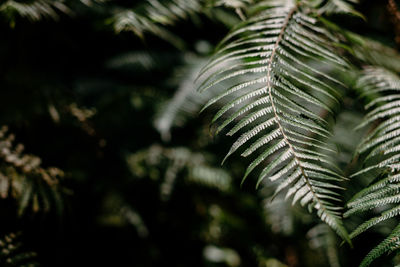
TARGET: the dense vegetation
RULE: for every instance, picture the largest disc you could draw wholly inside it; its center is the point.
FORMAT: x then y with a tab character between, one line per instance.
113	124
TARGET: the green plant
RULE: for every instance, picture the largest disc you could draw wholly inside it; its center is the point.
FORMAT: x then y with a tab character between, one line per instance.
287	84
286	70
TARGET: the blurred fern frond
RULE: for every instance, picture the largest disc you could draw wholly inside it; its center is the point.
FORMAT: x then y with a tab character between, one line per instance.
157	16
34	10
239	6
12	253
373	52
23	178
167	163
186	101
280	216
154	16
282	102
380	88
322	238
338	7
119	213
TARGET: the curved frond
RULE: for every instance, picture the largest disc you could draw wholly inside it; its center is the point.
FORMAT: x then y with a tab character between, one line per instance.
381	88
155	15
281	100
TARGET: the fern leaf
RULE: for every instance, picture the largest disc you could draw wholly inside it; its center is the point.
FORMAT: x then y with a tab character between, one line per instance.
392	242
380	87
278	96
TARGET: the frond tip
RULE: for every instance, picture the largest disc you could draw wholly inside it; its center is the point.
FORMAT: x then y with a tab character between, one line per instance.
277	96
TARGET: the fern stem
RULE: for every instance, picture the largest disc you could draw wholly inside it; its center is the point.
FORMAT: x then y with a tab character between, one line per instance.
277	118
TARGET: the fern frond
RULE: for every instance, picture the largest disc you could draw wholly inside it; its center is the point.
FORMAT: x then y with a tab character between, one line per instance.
186	101
281	95
280	215
373	52
381	89
155	15
142	61
391	243
338	7
117	212
323	238
238	5
34	10
12	253
128	20
23	178
168	12
177	161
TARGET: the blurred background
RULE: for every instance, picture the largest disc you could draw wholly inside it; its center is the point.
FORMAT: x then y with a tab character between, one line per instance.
106	159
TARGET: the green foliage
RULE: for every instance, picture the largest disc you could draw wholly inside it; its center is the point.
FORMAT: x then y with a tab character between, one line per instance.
287	83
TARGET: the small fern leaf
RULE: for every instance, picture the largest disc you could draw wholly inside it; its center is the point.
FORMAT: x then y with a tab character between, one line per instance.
391	243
